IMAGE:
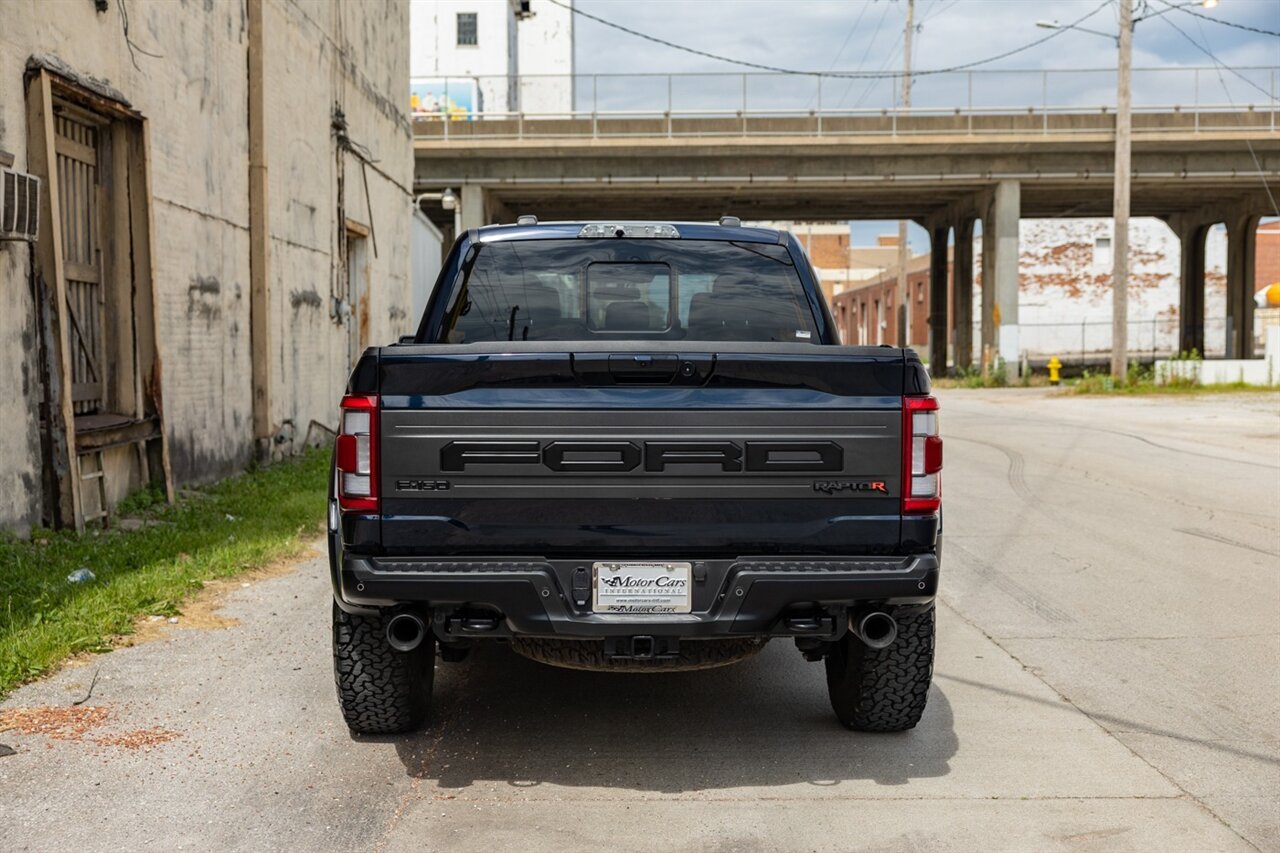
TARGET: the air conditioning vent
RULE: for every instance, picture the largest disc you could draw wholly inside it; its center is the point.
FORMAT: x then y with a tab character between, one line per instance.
19	206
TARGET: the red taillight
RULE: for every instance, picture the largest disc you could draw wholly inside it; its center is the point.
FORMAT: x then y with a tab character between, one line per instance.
357	454
921	456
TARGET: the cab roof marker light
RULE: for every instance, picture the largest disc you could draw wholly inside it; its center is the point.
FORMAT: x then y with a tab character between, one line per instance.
629	229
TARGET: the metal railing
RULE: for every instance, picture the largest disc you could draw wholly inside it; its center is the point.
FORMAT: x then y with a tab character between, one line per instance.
766	104
1088	341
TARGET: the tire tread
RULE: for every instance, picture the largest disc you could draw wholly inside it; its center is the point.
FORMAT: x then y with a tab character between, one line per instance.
884	690
380	690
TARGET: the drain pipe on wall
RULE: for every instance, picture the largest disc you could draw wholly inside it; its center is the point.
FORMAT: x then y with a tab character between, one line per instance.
259	241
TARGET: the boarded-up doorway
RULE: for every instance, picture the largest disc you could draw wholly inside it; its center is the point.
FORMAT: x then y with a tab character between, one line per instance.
102	419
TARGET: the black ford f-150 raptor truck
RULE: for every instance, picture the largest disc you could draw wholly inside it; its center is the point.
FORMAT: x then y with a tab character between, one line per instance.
634	447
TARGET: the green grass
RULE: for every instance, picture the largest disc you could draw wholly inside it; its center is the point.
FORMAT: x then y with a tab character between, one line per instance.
1141	380
1098	385
995	378
240	523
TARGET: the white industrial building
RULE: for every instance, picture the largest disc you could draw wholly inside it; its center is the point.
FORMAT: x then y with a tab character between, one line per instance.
1064	271
469	58
1064	275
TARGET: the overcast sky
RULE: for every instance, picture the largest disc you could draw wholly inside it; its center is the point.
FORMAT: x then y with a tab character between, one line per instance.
846	35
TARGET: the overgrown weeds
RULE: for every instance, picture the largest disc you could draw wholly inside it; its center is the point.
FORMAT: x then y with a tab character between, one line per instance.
238	524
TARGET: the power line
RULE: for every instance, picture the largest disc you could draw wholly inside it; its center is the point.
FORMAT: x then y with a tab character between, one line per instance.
1202	16
935	11
1219	63
837	74
852	29
1227	91
858	20
866	53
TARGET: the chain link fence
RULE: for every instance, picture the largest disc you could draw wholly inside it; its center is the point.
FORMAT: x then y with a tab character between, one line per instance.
1087	342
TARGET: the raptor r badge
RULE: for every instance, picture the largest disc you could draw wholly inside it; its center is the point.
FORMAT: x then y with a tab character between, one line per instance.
831	487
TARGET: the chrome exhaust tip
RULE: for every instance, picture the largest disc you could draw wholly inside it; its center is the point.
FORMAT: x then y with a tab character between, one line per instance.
405	632
876	630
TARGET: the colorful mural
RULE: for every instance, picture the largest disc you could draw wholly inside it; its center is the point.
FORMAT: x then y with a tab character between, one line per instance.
458	98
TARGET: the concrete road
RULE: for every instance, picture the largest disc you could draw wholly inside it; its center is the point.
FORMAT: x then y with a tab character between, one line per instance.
1106	680
1127	552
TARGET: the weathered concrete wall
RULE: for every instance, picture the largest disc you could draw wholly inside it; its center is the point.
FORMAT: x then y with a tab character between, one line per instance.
308	264
546	48
20	487
195	98
1065	280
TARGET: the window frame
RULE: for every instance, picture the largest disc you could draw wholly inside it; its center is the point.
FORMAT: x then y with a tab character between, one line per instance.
474	20
672	306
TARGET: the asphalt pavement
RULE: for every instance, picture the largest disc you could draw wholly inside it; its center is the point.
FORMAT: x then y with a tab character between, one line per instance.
1107	679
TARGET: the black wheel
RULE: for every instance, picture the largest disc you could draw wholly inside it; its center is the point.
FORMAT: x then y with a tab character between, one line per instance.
381	691
883	690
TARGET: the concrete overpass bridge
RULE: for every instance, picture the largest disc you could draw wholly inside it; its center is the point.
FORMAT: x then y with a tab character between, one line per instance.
944	167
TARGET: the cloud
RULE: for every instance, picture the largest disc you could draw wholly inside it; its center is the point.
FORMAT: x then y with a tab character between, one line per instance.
808	36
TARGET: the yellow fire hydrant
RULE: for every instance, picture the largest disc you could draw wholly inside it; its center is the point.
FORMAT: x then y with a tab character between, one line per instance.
1054	367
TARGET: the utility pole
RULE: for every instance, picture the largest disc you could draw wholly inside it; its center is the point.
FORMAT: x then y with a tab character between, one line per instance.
1120	207
904	299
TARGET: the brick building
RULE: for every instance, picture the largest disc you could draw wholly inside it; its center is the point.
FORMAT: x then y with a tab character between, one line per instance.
1267	262
860	282
838	263
224	224
866	312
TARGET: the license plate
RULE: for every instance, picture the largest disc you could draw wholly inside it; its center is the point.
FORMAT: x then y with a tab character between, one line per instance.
642	587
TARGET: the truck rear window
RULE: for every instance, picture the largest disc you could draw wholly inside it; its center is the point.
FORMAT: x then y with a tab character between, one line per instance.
623	289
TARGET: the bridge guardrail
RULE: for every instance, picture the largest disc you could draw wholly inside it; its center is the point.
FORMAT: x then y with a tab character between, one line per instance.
560	106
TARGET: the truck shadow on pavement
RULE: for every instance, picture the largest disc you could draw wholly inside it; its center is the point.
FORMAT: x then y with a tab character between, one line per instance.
499	718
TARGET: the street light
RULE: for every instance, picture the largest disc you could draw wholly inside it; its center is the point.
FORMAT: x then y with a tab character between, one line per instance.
449	201
1168	7
1054	25
1120	198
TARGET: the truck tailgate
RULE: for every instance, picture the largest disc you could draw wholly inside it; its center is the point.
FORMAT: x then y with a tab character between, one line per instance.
640	451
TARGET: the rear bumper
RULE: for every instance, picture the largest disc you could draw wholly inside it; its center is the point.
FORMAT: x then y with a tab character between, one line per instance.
742	597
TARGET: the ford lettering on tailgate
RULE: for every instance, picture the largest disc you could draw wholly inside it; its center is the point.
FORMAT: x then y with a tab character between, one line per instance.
656	456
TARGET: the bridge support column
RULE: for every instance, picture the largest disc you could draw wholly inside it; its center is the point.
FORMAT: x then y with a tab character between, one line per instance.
987	332
497	212
938	314
962	293
473	211
1000	275
1191	289
1242	246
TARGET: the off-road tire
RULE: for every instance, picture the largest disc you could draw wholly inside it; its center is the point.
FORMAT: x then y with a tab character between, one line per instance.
883	690
381	691
589	654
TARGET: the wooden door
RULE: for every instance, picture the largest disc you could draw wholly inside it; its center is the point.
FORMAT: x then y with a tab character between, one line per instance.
77	146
